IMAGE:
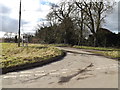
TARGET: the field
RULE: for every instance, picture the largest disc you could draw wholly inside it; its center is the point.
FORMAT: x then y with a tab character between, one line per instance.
108	52
16	56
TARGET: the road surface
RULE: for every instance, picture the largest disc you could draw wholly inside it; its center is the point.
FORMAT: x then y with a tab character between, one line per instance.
78	69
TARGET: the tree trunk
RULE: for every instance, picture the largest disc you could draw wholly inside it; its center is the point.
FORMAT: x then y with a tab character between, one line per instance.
81	27
95	39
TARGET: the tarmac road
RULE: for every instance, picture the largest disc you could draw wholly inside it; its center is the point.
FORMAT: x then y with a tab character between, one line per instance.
78	69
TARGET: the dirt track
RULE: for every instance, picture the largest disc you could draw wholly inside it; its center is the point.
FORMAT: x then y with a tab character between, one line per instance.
78	69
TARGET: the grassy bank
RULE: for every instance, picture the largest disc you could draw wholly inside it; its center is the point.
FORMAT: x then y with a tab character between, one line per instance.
16	56
108	52
96	48
111	54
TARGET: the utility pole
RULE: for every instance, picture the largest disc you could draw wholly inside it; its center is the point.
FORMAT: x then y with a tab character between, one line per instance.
19	25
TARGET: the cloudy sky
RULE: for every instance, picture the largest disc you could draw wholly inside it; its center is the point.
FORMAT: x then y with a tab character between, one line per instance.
34	12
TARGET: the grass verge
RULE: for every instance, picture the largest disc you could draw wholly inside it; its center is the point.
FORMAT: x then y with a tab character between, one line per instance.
13	56
108	52
96	48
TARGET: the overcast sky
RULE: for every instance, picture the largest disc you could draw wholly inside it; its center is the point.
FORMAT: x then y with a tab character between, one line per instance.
34	12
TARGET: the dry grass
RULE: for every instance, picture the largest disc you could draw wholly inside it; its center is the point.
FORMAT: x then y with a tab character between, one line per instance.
111	54
96	48
13	55
108	52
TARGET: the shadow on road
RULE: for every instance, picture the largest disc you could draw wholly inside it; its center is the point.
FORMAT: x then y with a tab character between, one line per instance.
68	78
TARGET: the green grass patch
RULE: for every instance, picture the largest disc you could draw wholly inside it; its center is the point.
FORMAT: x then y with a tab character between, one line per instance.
96	48
111	54
108	52
16	56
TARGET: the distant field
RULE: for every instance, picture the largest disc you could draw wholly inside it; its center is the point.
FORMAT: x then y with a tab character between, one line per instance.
15	56
108	52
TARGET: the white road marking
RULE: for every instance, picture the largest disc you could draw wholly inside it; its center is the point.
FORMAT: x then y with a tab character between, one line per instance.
97	68
40	74
5	77
113	66
25	72
13	73
54	73
105	67
25	75
40	71
64	72
69	53
53	70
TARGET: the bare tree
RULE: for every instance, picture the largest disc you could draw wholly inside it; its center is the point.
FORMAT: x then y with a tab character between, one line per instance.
95	12
51	18
63	14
